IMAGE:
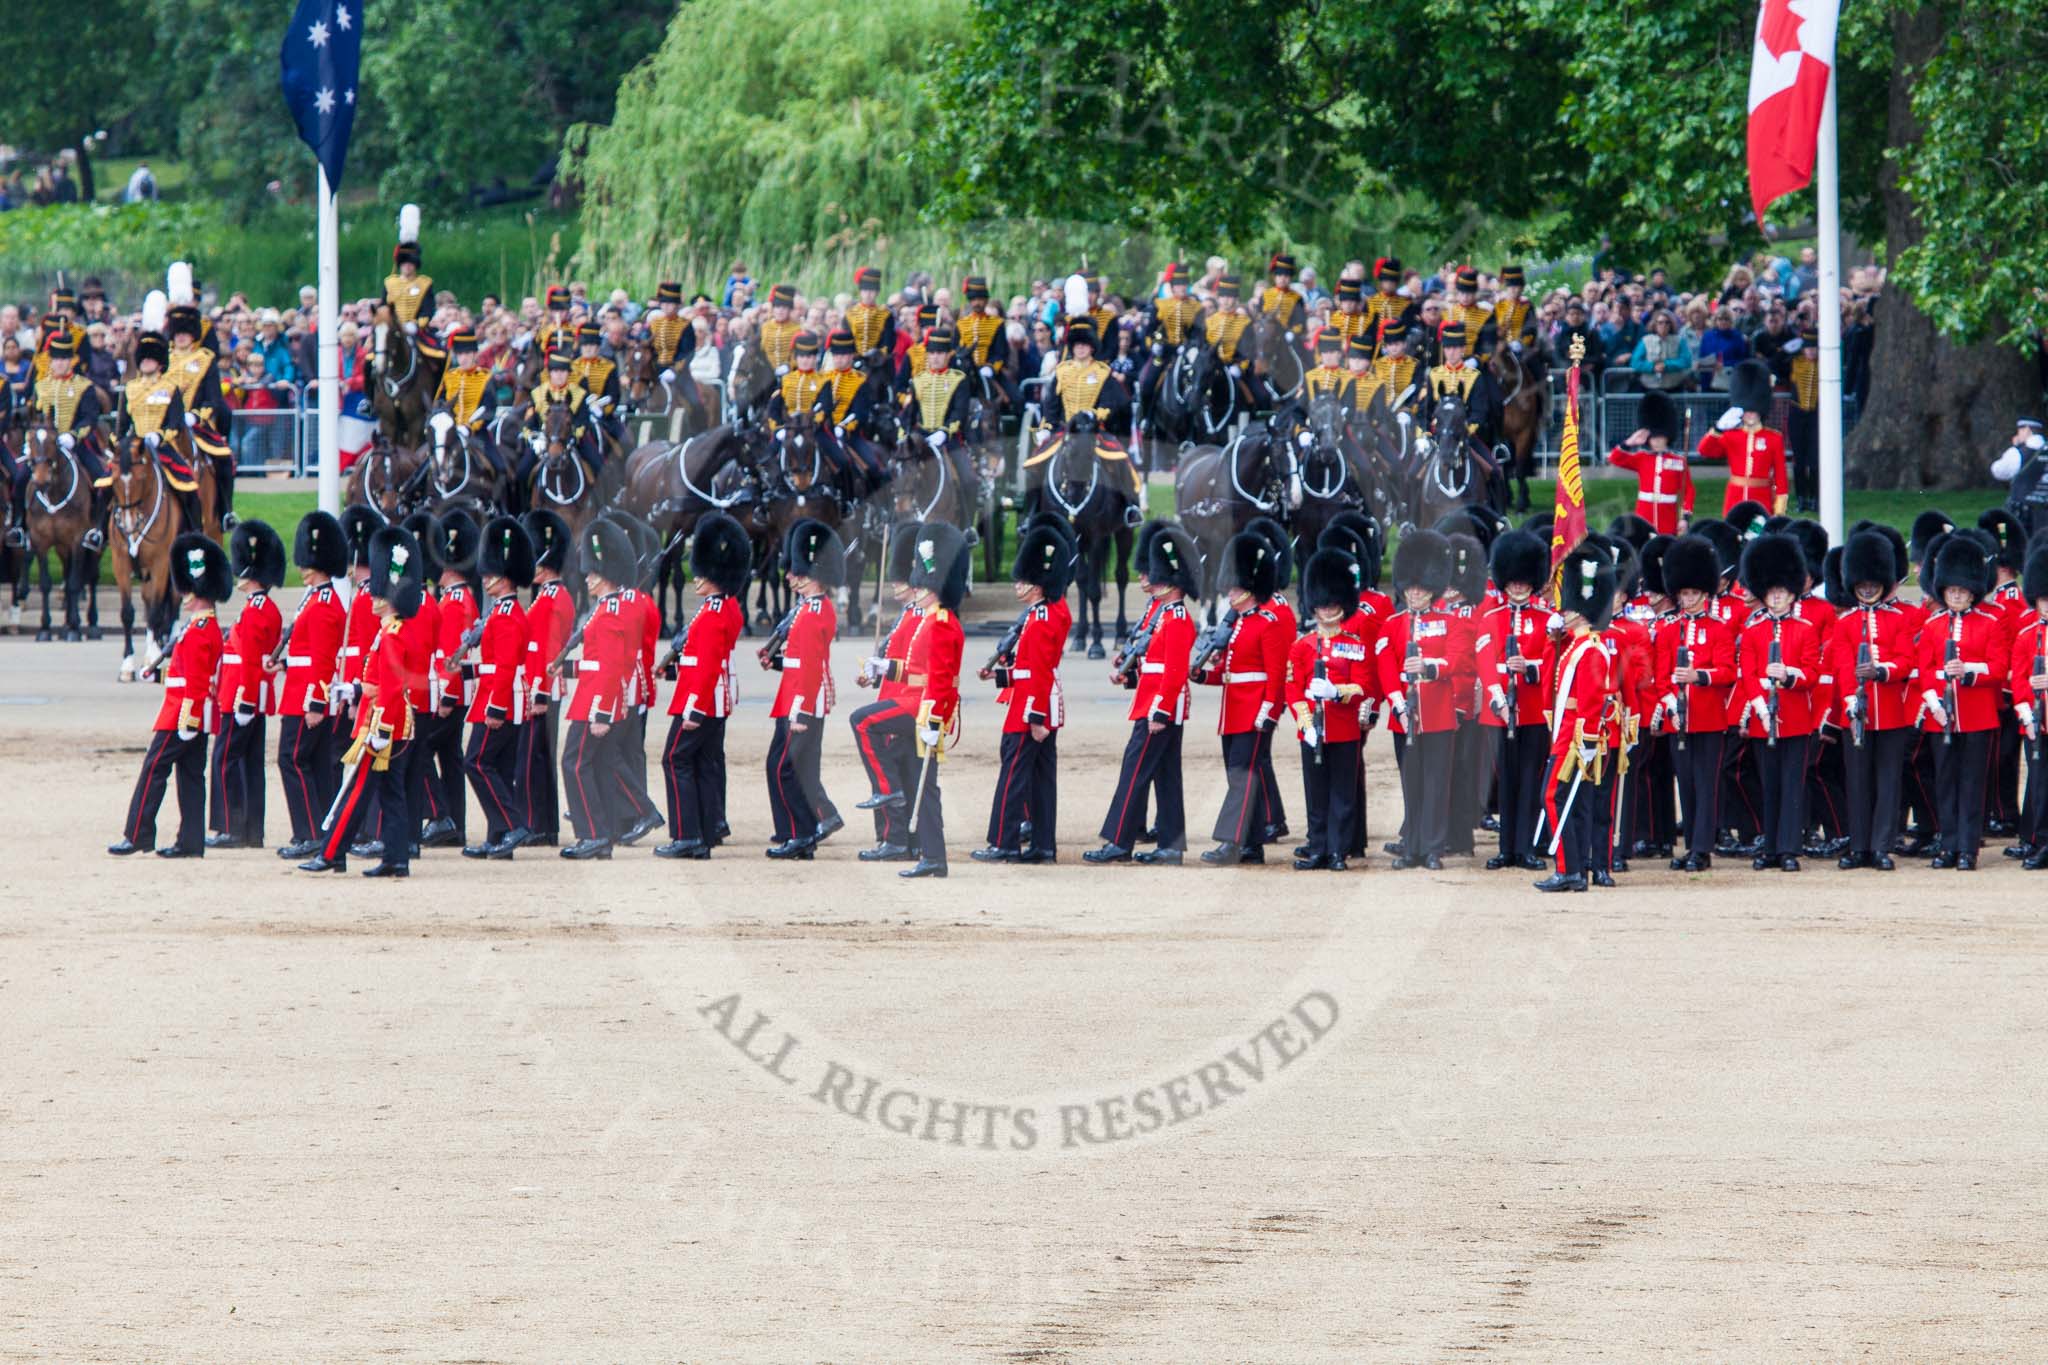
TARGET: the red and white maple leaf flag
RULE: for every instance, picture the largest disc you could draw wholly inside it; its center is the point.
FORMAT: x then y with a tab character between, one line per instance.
1788	83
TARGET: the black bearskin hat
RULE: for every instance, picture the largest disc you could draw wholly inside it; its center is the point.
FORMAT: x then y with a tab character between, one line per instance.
1585	586
398	571
1044	558
2034	578
1141	548
506	552
1691	561
1962	562
1749	517
1423	560
2005	528
1749	386
1249	563
1901	552
1926	527
1329	579
456	540
721	552
551	540
1174	562
1468	567
256	552
1773	561
1628	568
1659	415
1838	596
942	562
603	548
358	524
320	545
1633	529
1652	559
200	567
1727	543
902	551
425	533
1282	546
1364	539
1870	557
1813	543
1519	557
814	550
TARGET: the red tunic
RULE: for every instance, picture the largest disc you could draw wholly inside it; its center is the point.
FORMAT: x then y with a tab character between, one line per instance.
2027	660
423	645
897	648
188	678
1578	703
1756	465
1345	659
548	623
1980	643
500	692
807	662
1890	630
315	650
647	614
1529	626
394	659
1162	693
243	686
1631	654
1799	713
935	658
1252	671
1664	488
1033	696
1709	640
610	654
1445	642
359	633
704	668
458	612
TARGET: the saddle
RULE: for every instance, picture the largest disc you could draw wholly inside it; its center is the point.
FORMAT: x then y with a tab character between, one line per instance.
1115	459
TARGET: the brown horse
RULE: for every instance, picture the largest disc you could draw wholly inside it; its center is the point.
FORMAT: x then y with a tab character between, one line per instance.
1093	496
379	477
654	393
1278	360
59	515
671	486
562	480
459	472
1218	489
146	516
1525	406
400	380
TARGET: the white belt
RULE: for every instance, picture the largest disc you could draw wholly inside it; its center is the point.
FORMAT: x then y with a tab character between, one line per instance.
231	658
1657	497
587	665
1020	673
486	668
298	661
1153	668
350	651
792	663
687	660
1244	677
174	682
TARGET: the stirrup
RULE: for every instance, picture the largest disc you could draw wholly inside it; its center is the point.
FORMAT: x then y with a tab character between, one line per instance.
93	541
229	521
1134	515
16	538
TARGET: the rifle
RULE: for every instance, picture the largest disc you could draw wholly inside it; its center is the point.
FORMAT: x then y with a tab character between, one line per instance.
675	648
1948	694
1322	715
1514	662
2040	696
1131	654
277	653
1860	722
1006	649
452	665
1214	641
1412	722
771	653
1680	710
1771	688
575	640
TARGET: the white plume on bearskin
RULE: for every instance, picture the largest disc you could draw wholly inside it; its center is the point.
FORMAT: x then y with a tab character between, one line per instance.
409	223
178	282
1074	296
155	307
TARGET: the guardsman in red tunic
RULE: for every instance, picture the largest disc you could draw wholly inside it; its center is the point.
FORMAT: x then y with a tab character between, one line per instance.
497	704
1027	674
1245	655
2002	810
1779	666
1514	655
599	708
376	759
804	814
693	759
1755	454
1272	803
422	631
1159	709
306	736
550	617
1330	677
1425	662
1578	756
437	747
1632	678
1696	670
938	575
244	694
1870	659
1664	487
358	524
1964	662
644	616
2029	683
882	728
186	716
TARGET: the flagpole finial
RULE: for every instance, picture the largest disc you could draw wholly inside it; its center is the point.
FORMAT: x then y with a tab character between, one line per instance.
1578	349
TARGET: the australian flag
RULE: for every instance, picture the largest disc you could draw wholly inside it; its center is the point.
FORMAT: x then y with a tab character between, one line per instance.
322	52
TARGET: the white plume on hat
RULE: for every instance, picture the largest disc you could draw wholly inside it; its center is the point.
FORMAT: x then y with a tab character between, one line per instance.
1076	296
178	279
409	223
154	307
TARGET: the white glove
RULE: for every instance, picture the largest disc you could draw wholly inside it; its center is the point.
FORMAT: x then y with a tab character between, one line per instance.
1290	337
1311	737
935	439
188	735
1321	689
1940	716
1515	346
1854	705
1471	362
599	404
1728	420
782	436
67	441
412	329
988	372
668	376
781	370
875	667
1795	346
1306	440
378	744
1231	370
243	720
1399	704
191	420
930	736
2036	441
1588	755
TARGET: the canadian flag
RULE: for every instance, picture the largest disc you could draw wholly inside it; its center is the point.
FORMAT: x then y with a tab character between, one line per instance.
1788	83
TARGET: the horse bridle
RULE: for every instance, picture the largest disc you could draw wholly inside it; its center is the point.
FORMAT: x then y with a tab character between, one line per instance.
71	461
120	517
1053	482
392	387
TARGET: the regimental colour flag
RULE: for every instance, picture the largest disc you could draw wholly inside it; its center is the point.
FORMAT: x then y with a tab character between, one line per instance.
321	55
1568	510
1788	82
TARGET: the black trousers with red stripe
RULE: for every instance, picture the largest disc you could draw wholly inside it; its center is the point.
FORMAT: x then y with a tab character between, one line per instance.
1151	765
1426	778
238	778
1242	819
693	765
796	793
596	782
1874	778
170	757
1272	808
491	761
537	776
385	791
1329	784
882	736
1027	788
306	767
1698	764
437	768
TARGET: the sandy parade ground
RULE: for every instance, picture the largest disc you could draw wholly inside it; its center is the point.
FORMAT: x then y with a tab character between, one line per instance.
643	1110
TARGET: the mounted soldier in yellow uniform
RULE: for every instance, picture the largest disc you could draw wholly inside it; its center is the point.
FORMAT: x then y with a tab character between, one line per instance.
1086	395
985	345
197	374
872	324
556	390
465	390
409	294
779	333
599	379
72	404
152	409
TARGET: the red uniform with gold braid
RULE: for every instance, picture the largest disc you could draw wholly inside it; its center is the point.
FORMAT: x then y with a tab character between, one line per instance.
1027	678
1172	565
244	694
186	715
693	758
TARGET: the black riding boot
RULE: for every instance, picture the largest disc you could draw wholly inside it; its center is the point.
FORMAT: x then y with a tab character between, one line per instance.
224	489
96	527
17	532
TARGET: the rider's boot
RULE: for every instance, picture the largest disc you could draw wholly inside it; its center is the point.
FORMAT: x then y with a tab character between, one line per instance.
224	490
195	514
17	533
95	538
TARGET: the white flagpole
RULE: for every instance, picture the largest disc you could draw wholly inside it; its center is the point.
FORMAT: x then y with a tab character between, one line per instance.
1830	308
330	352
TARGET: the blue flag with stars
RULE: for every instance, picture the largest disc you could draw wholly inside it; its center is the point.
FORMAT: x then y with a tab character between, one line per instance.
322	52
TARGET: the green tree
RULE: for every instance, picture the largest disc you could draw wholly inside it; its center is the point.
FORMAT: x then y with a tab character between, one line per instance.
1585	120
48	100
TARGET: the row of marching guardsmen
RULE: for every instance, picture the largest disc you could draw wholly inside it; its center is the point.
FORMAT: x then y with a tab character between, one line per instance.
1782	691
